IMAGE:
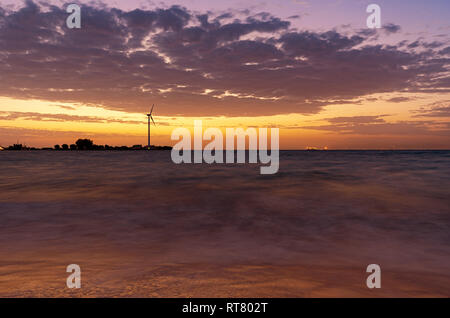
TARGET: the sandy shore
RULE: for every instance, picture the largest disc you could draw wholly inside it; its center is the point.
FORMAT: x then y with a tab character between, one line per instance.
115	276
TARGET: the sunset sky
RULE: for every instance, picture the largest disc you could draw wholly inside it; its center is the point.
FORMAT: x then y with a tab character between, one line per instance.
311	68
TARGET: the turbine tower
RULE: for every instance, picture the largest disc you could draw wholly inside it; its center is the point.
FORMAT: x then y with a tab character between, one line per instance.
149	116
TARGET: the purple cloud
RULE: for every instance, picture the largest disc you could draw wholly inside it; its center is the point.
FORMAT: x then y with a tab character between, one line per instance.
198	64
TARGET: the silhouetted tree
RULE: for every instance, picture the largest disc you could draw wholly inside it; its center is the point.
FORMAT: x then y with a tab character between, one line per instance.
84	144
57	147
65	147
16	147
73	147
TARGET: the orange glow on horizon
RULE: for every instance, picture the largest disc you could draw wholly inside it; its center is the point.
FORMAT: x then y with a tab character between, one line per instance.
67	122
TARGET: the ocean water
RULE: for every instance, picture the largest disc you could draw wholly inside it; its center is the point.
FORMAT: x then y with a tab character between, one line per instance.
139	225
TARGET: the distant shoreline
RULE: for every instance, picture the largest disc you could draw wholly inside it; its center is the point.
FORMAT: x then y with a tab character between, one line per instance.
85	145
158	148
165	148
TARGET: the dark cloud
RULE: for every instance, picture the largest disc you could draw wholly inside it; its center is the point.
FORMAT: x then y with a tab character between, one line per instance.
376	125
367	32
391	28
357	119
414	44
317	44
62	117
432	45
388	29
425	45
399	99
438	109
445	51
198	64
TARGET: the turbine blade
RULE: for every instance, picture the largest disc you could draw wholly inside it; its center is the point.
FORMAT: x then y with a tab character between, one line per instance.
151	117
151	110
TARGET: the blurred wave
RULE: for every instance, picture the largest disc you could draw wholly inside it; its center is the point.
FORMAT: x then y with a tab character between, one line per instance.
124	212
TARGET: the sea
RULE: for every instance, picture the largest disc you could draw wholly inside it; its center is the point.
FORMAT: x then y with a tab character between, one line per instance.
139	225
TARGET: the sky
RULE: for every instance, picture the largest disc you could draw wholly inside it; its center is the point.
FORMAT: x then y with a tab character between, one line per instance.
313	69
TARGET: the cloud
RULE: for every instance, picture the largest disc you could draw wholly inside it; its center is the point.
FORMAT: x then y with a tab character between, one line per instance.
445	51
399	99
419	43
62	118
377	125
201	64
357	119
391	28
437	109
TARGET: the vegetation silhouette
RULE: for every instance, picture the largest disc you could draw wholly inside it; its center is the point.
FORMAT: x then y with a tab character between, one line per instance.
84	144
87	144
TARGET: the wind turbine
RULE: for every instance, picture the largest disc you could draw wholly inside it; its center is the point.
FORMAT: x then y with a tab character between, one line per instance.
149	116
